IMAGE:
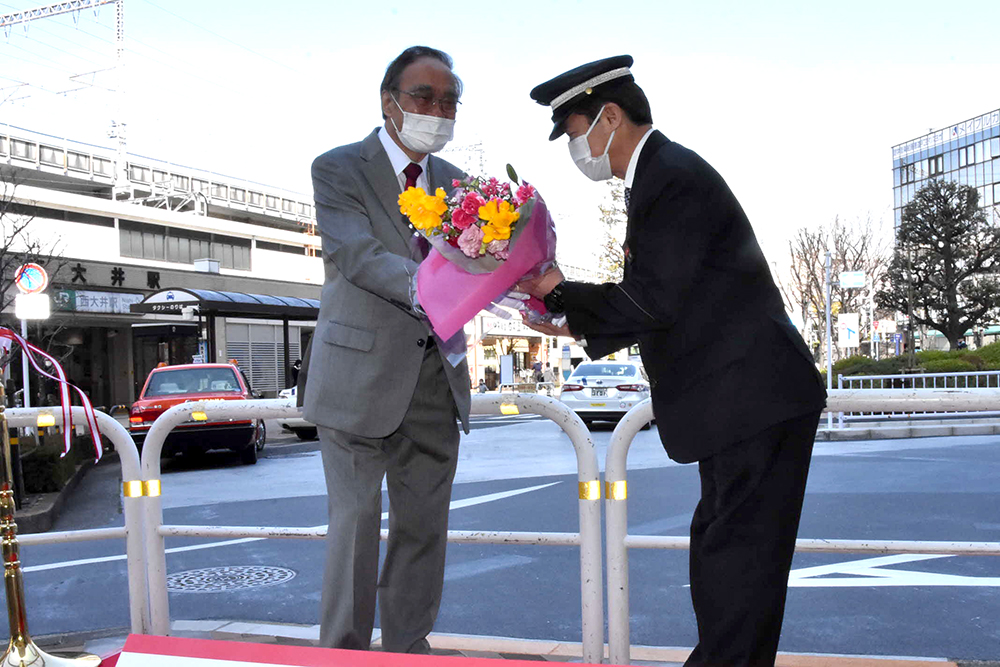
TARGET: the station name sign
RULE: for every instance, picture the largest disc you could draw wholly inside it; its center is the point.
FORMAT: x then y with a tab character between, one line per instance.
977	124
92	301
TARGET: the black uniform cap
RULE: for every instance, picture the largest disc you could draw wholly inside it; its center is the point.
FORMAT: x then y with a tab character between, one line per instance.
566	91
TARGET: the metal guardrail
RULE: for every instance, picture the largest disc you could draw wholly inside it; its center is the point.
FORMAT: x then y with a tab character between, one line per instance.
953	380
840	400
546	388
964	380
144	531
588	539
132	491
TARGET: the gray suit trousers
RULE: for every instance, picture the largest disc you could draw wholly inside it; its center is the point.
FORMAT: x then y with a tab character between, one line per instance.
419	461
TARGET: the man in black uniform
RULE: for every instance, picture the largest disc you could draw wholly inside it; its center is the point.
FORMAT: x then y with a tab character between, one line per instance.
733	384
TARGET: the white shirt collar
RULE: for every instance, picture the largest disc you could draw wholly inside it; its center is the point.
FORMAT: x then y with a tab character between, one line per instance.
400	160
630	172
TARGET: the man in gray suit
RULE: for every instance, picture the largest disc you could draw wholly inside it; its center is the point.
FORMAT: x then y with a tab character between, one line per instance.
379	388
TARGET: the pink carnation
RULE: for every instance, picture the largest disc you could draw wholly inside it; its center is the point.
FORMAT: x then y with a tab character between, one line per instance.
472	202
524	193
471	241
498	248
455	183
462	220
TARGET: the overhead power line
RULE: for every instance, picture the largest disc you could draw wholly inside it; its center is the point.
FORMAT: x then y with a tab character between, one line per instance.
222	37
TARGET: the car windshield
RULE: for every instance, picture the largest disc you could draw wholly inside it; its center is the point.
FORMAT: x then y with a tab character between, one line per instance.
605	370
192	381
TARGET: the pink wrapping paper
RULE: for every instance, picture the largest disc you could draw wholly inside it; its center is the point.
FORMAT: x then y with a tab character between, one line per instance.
451	297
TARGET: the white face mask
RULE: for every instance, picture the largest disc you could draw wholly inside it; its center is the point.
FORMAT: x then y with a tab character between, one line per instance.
594	168
424	134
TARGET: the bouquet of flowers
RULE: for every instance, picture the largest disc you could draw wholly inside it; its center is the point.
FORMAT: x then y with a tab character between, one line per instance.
479	220
486	236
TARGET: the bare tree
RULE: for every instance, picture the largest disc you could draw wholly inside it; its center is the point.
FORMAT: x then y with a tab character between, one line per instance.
23	240
858	246
614	220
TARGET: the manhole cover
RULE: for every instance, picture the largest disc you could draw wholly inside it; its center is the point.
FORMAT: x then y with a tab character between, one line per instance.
228	578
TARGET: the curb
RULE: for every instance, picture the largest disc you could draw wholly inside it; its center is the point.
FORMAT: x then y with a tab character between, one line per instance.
45	507
899	432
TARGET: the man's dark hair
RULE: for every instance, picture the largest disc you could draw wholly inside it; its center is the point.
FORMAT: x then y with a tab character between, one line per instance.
628	96
394	71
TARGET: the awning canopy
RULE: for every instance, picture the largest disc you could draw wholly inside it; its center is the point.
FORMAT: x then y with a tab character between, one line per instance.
228	304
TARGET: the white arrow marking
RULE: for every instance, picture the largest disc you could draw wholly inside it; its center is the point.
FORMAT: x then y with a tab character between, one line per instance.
869	573
455	504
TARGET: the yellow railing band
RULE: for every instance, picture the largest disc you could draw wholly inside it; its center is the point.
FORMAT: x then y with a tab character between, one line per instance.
616	490
132	489
151	488
590	490
509	409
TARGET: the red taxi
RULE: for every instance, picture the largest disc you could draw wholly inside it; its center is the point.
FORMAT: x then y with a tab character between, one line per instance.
168	386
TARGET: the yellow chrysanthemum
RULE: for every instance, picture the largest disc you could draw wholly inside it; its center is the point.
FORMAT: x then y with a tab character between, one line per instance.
499	217
423	210
410	198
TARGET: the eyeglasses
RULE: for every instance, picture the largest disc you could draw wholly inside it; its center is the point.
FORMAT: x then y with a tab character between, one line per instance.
425	101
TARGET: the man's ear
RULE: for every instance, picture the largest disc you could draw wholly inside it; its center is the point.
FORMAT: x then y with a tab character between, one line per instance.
614	114
387	103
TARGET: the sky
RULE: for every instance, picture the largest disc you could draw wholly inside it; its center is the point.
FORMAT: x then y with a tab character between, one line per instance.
796	104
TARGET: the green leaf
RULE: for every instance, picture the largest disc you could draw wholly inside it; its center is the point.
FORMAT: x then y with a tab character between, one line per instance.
512	174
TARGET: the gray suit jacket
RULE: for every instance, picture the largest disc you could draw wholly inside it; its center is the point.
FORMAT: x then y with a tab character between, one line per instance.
369	343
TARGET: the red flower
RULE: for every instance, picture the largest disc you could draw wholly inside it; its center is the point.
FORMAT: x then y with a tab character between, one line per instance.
524	193
471	204
462	220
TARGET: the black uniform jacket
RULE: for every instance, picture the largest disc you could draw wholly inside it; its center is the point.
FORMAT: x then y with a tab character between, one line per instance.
724	360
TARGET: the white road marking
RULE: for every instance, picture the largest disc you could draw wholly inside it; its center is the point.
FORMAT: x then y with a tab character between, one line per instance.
869	572
484	565
455	504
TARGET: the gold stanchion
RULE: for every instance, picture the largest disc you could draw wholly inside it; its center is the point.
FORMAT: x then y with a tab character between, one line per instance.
21	651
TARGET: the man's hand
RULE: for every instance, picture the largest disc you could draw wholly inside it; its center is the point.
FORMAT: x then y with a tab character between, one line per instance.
547	328
541	285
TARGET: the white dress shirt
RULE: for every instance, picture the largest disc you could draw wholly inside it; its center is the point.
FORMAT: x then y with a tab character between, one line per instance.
630	172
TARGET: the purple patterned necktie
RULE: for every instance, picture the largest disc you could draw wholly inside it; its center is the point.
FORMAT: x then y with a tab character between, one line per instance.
412	172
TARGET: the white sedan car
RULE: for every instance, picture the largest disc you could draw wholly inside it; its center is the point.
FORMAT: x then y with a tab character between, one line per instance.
605	390
300	427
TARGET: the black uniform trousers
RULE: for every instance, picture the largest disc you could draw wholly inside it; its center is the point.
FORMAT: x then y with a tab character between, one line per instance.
742	542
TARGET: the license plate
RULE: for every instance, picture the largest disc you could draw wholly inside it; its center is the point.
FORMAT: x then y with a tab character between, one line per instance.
598	392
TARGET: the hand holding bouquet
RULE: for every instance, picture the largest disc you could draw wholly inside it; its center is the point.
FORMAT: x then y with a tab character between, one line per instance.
486	236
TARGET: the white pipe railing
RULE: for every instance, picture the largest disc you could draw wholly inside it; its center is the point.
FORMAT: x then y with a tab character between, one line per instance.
839	400
132	495
588	539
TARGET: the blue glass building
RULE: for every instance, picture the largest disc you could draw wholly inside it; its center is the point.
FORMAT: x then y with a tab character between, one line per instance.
967	152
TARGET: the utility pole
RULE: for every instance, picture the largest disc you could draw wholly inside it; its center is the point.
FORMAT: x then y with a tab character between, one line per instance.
74	7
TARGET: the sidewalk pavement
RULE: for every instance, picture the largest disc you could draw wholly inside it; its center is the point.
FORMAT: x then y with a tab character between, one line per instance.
110	641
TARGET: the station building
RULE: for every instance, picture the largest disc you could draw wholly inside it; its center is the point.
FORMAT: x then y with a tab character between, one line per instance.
172	228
